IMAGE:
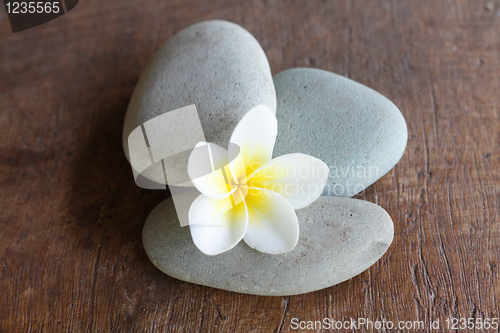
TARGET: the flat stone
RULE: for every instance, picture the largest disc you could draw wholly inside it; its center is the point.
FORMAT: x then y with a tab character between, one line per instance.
339	239
216	65
356	131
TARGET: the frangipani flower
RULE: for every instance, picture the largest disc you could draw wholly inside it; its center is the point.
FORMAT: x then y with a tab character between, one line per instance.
247	195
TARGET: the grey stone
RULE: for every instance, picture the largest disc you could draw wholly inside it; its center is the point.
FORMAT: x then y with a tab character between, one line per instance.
216	65
356	131
339	238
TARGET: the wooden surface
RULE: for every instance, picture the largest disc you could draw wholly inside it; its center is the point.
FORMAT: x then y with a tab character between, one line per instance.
71	257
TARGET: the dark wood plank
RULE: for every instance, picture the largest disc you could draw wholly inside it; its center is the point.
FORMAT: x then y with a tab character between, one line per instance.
71	258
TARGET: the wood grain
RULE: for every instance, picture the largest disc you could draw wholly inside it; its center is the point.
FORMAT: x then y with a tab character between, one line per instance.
71	257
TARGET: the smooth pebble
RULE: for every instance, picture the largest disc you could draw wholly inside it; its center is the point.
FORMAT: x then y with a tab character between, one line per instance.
357	132
339	239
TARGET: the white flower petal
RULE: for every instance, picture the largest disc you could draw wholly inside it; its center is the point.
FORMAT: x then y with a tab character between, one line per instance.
216	226
272	223
255	134
207	166
298	178
237	165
